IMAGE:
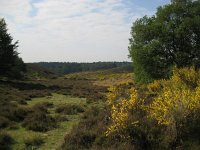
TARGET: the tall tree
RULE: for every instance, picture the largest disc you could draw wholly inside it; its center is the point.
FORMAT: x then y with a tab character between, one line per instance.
170	37
10	63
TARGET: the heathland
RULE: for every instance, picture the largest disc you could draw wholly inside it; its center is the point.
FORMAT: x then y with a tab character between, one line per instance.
152	105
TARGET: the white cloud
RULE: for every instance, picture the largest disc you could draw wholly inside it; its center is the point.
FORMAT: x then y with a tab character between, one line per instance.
71	30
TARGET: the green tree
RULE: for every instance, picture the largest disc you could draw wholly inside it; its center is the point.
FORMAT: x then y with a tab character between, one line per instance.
170	37
10	64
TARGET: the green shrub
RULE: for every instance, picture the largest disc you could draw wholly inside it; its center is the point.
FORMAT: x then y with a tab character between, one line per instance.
19	113
70	109
22	102
61	118
5	140
13	126
92	112
44	105
106	141
39	121
41	107
33	141
83	135
4	122
14	112
112	143
79	140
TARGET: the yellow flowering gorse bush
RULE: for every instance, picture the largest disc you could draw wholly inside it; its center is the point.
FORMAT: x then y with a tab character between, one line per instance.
155	87
178	98
163	115
120	108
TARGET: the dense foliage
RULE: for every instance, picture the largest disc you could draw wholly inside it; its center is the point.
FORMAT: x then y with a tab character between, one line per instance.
67	67
167	116
171	37
120	108
10	64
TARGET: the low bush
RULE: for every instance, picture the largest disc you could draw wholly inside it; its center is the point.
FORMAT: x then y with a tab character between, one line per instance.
79	140
19	113
43	105
22	102
5	140
13	126
33	141
61	118
39	120
70	109
112	143
4	122
14	112
39	107
83	135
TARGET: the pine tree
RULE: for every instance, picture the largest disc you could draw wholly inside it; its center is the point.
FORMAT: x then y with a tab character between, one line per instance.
9	59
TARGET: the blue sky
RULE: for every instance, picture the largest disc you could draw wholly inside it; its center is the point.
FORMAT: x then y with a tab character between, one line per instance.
74	30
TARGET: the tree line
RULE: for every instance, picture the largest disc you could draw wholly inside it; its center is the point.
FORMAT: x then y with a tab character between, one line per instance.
12	66
72	67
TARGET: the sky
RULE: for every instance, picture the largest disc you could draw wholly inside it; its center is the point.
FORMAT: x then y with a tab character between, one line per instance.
74	30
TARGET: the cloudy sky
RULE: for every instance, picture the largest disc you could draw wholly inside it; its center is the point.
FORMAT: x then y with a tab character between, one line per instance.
74	30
